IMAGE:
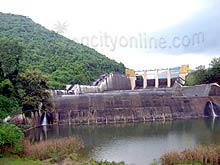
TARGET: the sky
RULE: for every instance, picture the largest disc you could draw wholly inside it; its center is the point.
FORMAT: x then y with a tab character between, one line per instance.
142	34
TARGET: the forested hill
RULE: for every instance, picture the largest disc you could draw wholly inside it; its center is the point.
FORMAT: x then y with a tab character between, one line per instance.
66	61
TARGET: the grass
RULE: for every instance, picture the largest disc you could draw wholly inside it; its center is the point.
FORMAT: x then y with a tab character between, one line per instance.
54	149
16	160
205	155
69	151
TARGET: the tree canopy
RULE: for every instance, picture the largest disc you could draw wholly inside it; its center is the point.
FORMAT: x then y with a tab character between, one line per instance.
10	53
202	75
36	91
20	90
66	61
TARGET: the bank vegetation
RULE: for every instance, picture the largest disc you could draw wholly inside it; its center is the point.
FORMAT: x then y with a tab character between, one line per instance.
200	155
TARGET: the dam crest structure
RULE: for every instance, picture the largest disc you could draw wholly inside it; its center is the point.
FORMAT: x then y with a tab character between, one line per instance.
137	96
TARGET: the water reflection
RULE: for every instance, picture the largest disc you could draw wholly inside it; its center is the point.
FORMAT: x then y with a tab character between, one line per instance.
138	143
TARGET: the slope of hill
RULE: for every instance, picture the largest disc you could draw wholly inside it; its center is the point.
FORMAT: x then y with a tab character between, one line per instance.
66	61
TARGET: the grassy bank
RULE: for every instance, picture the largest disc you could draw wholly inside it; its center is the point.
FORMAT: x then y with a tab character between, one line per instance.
17	151
37	154
205	155
9	159
53	151
16	160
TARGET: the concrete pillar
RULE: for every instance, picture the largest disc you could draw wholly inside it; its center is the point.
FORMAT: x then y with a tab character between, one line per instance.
144	80
132	81
168	78
156	79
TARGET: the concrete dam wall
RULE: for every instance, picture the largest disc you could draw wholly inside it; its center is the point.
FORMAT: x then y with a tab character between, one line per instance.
137	105
113	81
106	82
202	90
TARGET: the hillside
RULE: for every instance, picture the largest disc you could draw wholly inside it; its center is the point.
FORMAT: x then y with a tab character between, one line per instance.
64	60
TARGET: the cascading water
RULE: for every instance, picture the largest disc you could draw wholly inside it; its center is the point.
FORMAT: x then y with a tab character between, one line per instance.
212	109
44	122
213	123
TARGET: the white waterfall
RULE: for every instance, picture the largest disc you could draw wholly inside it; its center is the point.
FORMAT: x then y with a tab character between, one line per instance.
153	118
213	124
212	109
44	122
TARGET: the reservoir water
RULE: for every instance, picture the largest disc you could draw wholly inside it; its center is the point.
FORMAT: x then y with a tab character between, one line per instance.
136	143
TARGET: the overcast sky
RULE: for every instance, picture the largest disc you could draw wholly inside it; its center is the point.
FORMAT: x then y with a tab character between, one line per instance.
142	34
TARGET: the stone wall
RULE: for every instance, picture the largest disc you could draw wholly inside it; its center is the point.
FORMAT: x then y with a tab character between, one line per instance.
131	106
202	90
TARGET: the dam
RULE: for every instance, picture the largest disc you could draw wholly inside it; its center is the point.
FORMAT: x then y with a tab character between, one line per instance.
117	98
138	105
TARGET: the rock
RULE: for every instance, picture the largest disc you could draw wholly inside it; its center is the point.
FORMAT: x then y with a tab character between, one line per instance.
7	119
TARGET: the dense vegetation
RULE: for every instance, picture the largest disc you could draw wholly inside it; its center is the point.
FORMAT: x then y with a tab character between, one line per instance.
202	75
28	89
66	61
53	151
10	138
20	90
34	59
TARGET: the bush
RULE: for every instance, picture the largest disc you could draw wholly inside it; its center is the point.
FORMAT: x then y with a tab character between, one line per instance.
10	138
7	106
6	87
57	149
198	155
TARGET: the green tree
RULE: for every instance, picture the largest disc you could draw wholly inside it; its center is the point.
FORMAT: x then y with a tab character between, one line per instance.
10	54
215	63
8	106
213	73
36	91
197	77
202	75
6	87
10	138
